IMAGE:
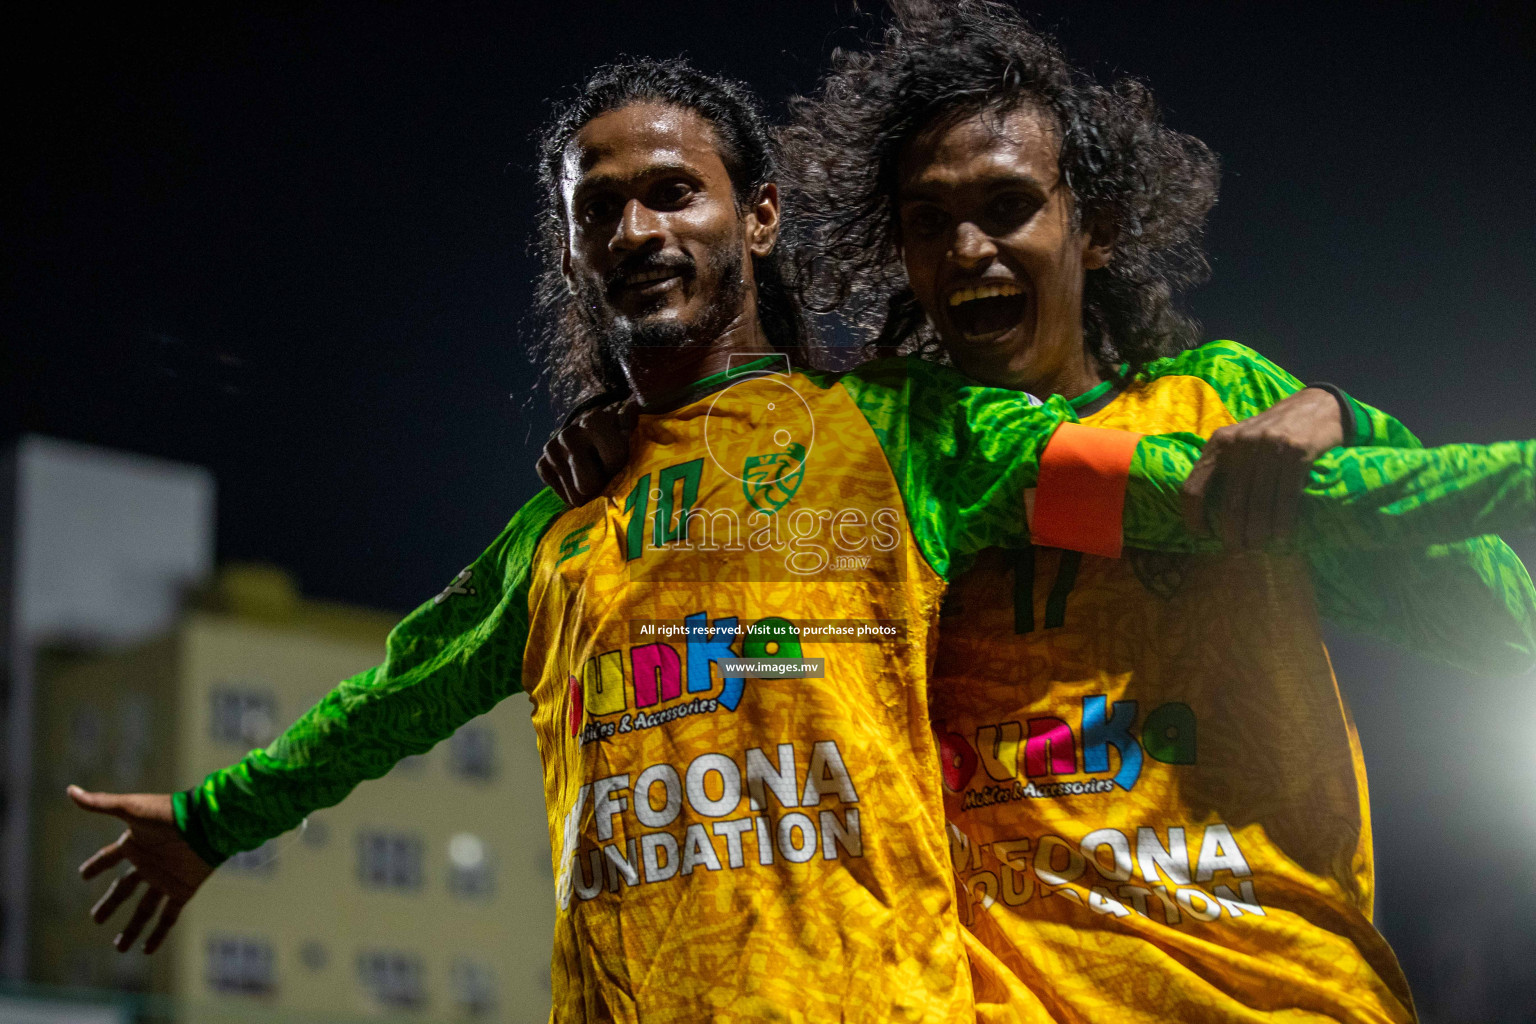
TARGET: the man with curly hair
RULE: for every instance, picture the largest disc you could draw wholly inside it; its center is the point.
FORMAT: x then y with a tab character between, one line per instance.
1156	798
731	841
1156	795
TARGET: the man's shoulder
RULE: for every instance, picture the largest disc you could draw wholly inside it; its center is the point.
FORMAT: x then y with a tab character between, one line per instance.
1244	379
917	380
1219	359
893	373
535	516
521	539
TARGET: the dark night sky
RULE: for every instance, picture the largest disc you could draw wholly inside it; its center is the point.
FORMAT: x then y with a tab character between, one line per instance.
290	246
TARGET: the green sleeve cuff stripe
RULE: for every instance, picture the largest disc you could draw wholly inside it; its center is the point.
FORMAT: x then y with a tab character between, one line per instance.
186	807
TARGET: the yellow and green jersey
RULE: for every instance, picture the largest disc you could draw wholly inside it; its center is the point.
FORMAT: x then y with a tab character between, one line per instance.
1156	797
730	843
732	846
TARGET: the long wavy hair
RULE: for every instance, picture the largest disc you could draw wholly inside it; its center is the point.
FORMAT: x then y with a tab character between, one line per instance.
939	63
574	362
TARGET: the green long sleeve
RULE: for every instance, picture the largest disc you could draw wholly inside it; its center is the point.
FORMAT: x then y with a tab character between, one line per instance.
963	455
1470	604
451	659
1359	498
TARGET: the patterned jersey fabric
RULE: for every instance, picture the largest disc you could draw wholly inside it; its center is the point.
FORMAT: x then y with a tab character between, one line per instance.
1156	797
753	848
737	845
728	845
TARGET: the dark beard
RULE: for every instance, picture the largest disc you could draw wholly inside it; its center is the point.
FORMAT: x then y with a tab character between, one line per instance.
621	339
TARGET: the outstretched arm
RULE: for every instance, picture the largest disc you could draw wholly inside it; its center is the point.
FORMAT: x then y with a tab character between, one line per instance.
453	658
1100	490
1381	498
970	460
450	660
1470	604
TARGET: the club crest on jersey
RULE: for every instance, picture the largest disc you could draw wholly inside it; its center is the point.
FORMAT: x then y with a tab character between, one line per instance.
770	481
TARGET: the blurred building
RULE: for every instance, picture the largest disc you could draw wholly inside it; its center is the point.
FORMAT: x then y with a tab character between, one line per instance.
97	548
427	892
427	895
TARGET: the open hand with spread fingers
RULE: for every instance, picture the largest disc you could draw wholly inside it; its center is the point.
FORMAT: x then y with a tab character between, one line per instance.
158	857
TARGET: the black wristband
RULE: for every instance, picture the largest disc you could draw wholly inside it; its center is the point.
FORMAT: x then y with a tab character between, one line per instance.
1346	409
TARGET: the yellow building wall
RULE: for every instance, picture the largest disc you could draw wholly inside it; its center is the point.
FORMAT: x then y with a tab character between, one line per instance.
312	893
105	721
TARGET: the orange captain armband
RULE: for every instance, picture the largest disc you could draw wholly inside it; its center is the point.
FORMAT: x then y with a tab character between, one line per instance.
1080	496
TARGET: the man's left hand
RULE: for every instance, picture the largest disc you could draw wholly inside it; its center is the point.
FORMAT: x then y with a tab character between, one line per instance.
1263	463
586	454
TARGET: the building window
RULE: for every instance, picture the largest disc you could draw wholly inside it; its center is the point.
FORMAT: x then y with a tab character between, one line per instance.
473	987
469	867
259	861
244	716
394	979
313	955
241	964
472	752
135	730
87	745
389	860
